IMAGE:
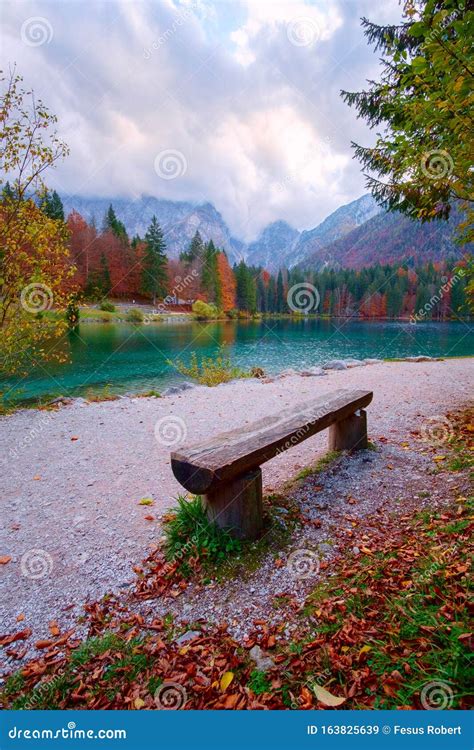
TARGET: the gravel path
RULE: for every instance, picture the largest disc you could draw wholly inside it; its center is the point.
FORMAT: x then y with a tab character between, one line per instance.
72	479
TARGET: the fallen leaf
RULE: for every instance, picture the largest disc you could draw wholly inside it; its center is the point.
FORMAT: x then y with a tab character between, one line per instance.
37	477
439	458
138	703
149	518
364	650
53	628
146	501
5	559
74	438
22	635
226	679
325	697
20	617
231	700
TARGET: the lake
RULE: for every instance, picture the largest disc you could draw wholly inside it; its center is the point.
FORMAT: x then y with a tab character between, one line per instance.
135	358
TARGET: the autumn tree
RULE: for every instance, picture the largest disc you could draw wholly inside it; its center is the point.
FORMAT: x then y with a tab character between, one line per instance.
34	260
421	163
226	283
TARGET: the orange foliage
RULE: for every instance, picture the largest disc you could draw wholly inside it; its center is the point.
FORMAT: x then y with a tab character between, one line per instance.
227	282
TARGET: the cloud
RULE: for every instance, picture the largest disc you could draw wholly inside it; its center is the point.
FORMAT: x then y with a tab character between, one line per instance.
247	92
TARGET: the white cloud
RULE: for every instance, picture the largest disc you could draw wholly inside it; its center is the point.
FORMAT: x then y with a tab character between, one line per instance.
247	91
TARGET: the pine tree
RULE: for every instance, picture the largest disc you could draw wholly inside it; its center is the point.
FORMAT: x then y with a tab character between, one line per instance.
281	305
195	250
52	206
154	274
114	225
209	274
421	163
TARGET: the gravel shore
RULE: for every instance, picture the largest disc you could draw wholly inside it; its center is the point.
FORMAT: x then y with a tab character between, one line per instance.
72	478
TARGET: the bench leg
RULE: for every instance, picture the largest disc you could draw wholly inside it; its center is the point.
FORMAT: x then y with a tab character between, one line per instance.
237	505
349	434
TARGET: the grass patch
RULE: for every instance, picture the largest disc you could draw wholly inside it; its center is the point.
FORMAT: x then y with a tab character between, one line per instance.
101	394
189	535
258	682
321	464
210	371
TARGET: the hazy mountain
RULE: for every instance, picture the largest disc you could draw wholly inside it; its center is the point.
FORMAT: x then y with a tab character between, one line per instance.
389	238
357	234
274	247
179	220
341	222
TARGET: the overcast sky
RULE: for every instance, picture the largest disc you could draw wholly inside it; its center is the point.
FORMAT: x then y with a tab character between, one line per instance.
233	102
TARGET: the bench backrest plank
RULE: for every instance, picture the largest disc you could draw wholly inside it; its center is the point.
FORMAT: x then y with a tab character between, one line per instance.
201	467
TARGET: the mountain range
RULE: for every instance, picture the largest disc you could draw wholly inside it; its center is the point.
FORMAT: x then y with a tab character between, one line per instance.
357	234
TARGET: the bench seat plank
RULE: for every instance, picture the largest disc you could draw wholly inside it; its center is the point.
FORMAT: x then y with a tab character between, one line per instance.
202	467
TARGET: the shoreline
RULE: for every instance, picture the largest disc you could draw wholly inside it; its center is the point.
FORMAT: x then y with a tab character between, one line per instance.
81	472
60	400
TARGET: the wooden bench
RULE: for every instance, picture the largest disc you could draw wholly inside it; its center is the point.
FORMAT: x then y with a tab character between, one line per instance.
226	469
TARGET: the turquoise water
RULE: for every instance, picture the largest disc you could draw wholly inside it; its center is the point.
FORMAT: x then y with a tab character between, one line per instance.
135	358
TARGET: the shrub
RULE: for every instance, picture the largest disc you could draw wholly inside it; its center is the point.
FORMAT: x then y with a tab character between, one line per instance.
210	370
189	534
107	306
232	314
204	311
72	313
134	316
